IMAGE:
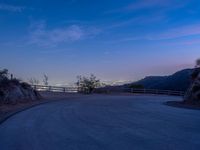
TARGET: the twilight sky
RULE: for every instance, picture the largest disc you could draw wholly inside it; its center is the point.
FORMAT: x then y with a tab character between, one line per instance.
117	40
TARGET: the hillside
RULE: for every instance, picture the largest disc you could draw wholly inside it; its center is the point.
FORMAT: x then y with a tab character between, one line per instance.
177	81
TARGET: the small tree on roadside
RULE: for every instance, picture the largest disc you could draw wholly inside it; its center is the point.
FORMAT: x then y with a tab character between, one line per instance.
87	84
46	80
4	80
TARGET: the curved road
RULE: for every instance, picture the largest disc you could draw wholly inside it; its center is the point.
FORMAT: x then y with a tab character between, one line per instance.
103	123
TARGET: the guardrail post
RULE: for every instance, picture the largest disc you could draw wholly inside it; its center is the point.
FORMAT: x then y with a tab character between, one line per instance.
144	91
131	90
107	91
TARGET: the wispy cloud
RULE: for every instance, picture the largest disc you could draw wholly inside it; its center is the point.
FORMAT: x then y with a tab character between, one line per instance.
42	36
183	33
53	51
185	42
12	8
143	4
178	32
159	10
148	4
124	23
139	20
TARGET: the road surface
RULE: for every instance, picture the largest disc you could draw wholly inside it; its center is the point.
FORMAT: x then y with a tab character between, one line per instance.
103	123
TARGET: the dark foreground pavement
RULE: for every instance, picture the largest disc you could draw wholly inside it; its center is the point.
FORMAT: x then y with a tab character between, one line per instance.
103	123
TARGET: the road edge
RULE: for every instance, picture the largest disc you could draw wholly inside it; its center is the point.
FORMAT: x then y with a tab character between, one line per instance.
9	115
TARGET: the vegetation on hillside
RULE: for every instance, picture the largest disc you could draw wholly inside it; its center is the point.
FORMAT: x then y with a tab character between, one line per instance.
5	81
136	86
197	63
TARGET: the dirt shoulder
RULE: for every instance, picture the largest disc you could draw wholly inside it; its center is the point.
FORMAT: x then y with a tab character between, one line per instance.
181	104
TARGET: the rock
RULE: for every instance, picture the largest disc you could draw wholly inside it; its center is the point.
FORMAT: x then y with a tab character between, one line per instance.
193	93
18	93
13	95
13	90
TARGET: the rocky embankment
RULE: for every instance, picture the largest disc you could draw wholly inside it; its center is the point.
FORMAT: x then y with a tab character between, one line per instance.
193	94
13	91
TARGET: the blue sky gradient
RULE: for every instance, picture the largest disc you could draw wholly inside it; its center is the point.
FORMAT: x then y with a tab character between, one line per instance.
114	39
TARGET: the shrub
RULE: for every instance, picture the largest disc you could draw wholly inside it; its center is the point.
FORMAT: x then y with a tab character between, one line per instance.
136	86
1	93
15	81
25	85
4	82
196	88
198	63
3	74
195	73
87	84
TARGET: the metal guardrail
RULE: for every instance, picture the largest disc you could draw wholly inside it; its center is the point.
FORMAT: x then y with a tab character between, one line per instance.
55	89
129	90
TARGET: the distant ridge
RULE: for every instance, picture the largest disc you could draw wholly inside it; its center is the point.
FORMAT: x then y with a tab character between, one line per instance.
177	81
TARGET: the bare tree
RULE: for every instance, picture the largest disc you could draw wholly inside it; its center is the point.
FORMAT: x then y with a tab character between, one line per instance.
46	80
33	81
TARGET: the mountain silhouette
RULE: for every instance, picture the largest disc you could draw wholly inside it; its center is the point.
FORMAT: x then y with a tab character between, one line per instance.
177	81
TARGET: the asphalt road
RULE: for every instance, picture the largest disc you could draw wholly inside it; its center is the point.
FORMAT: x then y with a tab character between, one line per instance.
103	123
